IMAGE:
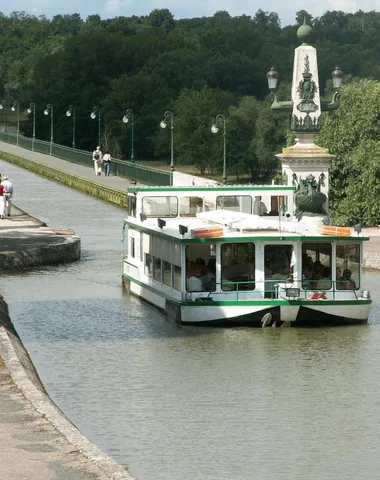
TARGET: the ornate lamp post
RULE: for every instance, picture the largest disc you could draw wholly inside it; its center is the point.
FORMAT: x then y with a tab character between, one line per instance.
306	104
96	113
16	108
32	108
164	124
71	111
3	106
49	109
215	129
130	115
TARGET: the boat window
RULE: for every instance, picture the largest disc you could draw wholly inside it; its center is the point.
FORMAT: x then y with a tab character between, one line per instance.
238	266
177	277
160	206
190	206
279	261
200	268
132	205
148	265
317	266
234	203
157	269
167	273
278	205
348	267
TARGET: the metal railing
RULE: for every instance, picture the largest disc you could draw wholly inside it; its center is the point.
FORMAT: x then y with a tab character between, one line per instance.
120	168
275	290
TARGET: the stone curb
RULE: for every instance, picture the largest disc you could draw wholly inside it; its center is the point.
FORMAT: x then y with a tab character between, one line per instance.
24	375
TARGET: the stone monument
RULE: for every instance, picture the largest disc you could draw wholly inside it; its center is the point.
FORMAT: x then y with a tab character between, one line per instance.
306	165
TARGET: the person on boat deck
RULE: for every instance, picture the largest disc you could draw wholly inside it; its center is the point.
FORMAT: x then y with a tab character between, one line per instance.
259	207
193	280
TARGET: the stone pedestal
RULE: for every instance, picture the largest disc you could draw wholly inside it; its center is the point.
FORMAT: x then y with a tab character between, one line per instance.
304	159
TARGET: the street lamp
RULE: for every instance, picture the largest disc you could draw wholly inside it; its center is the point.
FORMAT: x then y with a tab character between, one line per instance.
3	106
305	104
16	108
49	109
96	113
164	124
32	108
215	129
71	111
129	115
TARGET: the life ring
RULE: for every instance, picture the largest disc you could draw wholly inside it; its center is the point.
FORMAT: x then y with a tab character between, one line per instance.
336	231
209	232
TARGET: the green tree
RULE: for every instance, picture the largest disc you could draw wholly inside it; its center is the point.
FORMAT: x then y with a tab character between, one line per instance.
195	112
255	136
351	133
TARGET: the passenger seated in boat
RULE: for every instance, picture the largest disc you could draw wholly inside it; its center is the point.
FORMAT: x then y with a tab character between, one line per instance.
259	207
202	266
237	273
346	282
209	279
316	275
325	281
307	274
193	280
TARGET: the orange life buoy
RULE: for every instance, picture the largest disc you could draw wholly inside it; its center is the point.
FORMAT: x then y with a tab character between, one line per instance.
336	231
208	232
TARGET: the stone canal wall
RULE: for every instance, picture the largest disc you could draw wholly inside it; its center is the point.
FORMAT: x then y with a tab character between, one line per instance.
94	463
27	242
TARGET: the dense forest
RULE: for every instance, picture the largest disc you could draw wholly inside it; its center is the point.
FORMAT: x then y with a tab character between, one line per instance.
195	68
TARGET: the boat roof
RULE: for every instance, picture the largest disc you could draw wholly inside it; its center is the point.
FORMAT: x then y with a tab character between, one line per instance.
238	225
222	188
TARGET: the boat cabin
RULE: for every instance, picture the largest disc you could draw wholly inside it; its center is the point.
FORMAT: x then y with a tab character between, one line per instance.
243	242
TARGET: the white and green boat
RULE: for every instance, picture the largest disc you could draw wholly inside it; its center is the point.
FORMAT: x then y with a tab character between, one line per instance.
237	255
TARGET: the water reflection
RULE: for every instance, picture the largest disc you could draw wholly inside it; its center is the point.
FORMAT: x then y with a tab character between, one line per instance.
180	403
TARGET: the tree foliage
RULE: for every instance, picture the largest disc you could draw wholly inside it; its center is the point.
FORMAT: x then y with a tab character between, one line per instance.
198	68
352	134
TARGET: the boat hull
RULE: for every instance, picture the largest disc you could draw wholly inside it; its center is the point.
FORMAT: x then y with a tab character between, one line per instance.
297	313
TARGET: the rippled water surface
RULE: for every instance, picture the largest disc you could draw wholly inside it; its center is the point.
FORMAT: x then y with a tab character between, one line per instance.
179	403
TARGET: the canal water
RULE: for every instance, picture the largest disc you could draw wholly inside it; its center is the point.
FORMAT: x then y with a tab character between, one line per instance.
181	403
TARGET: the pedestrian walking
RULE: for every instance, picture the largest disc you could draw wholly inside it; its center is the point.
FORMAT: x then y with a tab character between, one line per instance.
107	163
7	194
97	158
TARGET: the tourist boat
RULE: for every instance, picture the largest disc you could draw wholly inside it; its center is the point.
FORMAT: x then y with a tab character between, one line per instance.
238	255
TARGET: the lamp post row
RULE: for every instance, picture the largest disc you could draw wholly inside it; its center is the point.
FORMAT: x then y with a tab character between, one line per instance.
128	116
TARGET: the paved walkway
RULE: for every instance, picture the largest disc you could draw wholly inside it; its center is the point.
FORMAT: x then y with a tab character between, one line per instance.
73	168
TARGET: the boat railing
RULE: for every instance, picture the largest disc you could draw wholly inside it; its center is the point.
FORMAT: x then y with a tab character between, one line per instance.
288	289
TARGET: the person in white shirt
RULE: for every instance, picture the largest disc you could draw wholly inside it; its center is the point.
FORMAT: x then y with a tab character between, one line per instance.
97	158
7	193
107	163
259	207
